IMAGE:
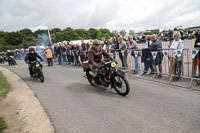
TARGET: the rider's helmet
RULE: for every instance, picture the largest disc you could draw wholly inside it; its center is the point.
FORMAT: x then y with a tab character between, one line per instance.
31	49
8	51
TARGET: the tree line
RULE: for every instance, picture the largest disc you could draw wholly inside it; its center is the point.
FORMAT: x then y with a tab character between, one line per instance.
25	37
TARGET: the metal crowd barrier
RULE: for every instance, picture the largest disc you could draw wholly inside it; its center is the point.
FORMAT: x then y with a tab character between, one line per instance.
187	61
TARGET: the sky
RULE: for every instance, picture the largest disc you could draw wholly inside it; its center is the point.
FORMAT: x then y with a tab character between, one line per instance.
137	15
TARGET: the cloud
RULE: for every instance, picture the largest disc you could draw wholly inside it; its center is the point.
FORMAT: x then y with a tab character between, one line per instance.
112	14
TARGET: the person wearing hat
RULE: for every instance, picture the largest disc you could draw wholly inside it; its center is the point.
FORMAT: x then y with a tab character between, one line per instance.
95	56
32	56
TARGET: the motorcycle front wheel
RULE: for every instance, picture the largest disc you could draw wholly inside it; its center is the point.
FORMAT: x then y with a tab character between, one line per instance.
120	84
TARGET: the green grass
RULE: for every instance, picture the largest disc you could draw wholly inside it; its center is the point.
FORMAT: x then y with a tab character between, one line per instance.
4	89
4	86
2	125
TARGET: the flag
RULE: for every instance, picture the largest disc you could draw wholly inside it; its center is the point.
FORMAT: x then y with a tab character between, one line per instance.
50	40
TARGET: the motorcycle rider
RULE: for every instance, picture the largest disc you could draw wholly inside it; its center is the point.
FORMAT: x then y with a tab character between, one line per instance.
9	54
30	57
95	56
1	58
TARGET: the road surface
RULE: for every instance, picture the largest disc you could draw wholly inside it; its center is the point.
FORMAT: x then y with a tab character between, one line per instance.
76	107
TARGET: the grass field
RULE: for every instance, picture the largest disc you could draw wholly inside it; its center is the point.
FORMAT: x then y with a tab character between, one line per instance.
2	125
4	86
4	89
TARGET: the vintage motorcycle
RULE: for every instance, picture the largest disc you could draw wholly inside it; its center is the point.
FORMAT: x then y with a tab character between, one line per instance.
109	75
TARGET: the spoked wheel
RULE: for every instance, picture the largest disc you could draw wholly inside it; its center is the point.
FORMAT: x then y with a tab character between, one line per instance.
121	85
90	77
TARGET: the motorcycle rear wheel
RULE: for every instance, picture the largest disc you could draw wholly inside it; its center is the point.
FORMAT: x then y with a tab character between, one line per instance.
89	77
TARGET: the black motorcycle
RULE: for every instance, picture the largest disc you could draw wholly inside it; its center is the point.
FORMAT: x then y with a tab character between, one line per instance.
109	75
11	61
37	70
1	59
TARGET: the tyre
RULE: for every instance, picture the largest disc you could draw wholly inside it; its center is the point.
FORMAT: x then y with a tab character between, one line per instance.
41	76
120	84
89	77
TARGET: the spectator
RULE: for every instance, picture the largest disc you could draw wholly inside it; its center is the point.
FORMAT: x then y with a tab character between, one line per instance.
49	56
155	46
59	54
196	60
63	52
111	47
83	47
123	53
133	46
146	56
175	60
69	54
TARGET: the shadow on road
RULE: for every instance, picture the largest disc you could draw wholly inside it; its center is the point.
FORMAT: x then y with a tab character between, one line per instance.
81	88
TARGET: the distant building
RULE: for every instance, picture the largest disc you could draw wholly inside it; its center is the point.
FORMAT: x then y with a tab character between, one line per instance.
194	28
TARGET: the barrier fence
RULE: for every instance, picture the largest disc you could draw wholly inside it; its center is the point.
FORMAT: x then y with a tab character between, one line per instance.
176	64
183	63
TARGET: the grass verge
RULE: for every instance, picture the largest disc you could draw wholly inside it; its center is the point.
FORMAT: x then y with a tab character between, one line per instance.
4	86
4	89
2	125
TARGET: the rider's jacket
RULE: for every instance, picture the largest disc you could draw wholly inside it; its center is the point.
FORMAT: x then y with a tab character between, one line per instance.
32	57
95	57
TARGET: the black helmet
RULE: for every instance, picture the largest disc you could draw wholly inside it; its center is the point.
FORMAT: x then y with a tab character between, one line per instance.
31	49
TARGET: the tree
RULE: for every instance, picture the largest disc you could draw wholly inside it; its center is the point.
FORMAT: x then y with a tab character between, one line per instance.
83	34
105	33
55	30
29	41
13	38
131	32
94	33
26	32
122	33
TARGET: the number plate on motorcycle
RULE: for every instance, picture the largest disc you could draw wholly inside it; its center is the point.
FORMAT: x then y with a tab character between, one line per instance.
113	64
37	65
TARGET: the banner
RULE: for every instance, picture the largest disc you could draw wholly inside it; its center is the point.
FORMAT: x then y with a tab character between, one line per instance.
154	54
179	52
165	53
129	52
136	53
194	52
50	40
117	53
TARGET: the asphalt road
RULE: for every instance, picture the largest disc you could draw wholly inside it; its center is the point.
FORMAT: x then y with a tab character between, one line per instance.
76	107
